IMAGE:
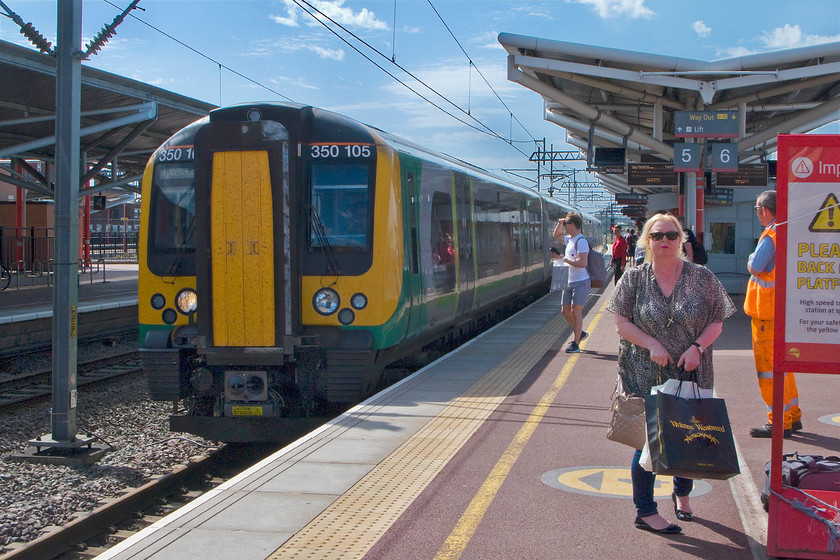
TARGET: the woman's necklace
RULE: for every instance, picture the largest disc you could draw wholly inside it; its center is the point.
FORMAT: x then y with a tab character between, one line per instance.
670	302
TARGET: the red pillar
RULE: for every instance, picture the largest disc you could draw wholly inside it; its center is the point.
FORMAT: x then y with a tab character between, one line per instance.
20	202
701	209
86	229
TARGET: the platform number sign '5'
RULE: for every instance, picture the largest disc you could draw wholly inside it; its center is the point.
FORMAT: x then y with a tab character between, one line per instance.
688	157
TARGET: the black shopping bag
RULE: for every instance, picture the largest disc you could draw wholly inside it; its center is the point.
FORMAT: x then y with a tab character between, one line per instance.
690	438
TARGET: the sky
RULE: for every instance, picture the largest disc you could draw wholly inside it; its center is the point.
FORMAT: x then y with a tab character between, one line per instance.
237	51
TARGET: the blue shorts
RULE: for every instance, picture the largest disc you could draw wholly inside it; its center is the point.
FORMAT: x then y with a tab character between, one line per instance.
577	292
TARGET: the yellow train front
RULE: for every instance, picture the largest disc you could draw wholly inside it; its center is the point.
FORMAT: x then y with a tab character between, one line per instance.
289	254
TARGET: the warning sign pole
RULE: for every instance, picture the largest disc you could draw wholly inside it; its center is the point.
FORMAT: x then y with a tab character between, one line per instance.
807	326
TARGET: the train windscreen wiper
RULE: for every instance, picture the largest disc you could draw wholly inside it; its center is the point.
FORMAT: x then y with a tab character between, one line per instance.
175	267
323	241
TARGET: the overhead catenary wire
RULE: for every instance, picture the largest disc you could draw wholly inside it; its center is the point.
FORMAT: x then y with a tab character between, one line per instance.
473	65
201	54
479	126
486	130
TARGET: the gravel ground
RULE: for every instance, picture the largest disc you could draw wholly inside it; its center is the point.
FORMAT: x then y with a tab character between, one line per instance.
34	496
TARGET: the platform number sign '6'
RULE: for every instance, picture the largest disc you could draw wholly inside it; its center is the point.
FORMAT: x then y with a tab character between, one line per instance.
724	157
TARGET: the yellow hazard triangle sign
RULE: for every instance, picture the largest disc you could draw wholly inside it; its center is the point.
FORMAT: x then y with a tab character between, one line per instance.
828	218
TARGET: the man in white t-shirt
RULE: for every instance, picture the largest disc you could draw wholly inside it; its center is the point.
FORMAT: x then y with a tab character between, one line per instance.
574	297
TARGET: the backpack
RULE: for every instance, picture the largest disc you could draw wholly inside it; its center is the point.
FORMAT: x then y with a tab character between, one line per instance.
700	255
595	267
806	472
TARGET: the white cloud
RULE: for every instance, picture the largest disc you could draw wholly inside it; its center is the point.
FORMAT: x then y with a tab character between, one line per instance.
452	79
286	82
634	9
334	10
292	19
291	45
791	36
701	28
735	52
330	54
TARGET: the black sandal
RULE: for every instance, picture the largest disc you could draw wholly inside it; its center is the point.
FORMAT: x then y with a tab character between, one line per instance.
681	515
669	530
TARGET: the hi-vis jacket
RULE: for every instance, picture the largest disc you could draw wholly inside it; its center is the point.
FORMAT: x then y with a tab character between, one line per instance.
761	289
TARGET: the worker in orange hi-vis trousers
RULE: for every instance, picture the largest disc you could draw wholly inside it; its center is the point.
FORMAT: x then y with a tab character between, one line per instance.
759	302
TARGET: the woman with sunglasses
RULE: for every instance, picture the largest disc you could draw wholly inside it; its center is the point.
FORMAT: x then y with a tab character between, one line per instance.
668	312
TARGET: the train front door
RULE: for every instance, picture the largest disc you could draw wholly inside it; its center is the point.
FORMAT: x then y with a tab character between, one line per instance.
242	234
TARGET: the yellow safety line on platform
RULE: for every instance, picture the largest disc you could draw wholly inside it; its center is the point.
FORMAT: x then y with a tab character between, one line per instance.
460	537
352	524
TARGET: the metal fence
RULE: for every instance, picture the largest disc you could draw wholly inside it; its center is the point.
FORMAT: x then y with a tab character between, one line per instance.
30	250
114	246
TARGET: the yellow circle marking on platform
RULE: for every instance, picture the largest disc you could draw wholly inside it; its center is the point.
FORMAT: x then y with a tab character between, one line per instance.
611	482
830	419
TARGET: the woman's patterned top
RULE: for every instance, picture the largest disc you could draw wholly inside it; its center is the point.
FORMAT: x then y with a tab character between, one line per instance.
697	301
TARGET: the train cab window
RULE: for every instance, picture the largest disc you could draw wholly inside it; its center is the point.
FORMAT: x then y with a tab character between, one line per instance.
341	204
172	215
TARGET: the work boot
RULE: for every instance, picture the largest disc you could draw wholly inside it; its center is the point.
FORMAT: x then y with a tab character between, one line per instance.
766	431
797	426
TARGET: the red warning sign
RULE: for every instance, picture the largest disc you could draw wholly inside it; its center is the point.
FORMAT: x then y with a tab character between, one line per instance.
807	326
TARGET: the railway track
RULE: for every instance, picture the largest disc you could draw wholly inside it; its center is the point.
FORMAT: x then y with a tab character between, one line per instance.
38	384
35	333
92	533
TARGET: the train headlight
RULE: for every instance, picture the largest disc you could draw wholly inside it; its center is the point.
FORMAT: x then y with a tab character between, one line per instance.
254	115
158	301
326	301
169	316
358	301
346	316
186	301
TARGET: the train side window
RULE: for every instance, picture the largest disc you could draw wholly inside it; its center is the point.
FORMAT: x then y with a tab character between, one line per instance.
443	249
412	212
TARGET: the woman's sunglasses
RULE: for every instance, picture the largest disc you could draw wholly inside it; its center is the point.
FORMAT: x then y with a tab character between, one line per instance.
658	235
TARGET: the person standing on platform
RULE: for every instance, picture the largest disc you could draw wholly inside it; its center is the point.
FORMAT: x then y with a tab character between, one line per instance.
619	254
574	297
758	304
668	312
631	239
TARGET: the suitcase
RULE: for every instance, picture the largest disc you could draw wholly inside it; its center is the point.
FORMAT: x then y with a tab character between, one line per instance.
806	472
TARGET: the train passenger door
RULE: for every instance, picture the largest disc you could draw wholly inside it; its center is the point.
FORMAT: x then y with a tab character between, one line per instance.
466	258
243	256
411	200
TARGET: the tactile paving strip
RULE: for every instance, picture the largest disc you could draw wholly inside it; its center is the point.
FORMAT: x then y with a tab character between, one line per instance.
359	518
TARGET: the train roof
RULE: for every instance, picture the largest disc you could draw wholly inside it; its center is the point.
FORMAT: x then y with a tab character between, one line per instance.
393	140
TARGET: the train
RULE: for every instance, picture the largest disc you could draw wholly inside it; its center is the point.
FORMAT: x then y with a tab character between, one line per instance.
288	254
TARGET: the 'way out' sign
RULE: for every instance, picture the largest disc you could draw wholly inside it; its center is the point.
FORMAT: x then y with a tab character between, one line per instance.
807	328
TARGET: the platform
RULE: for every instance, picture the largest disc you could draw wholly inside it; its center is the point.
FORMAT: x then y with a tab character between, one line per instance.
497	450
32	298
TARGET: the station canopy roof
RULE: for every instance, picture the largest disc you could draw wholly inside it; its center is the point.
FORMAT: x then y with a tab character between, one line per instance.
122	121
607	97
